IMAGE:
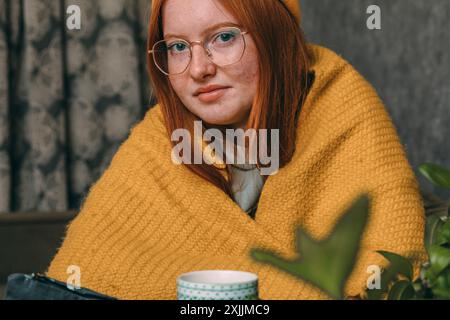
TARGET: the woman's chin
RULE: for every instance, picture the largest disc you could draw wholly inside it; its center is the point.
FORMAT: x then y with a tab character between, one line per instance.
215	119
217	122
218	115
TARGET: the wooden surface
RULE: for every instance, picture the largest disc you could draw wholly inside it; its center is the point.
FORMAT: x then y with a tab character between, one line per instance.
28	241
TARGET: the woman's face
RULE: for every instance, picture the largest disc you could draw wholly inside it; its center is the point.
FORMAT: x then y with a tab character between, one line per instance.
188	19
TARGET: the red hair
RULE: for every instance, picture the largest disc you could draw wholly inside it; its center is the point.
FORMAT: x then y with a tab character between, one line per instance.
283	69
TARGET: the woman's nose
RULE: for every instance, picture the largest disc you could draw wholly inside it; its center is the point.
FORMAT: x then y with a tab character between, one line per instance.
201	65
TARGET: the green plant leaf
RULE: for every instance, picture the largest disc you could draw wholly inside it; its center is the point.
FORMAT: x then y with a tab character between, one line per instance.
438	175
327	263
398	265
432	230
402	290
443	236
441	288
439	261
402	265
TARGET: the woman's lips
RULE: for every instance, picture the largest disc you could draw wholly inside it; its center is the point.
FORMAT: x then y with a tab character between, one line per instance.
212	96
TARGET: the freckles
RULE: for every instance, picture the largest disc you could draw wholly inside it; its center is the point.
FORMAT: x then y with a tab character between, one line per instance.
246	72
249	68
251	76
179	86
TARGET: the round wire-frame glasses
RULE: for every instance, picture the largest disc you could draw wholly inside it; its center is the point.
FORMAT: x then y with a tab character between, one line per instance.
205	44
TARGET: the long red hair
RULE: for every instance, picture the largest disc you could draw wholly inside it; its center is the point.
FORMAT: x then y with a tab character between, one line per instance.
283	69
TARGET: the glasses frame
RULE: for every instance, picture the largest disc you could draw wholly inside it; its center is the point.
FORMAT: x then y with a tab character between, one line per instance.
190	46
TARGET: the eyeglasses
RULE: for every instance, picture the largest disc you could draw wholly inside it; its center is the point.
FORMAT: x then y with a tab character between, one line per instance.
224	47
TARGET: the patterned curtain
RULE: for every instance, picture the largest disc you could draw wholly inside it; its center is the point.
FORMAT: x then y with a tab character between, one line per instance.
68	98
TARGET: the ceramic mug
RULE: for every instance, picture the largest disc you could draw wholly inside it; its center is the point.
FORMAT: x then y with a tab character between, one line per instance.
217	285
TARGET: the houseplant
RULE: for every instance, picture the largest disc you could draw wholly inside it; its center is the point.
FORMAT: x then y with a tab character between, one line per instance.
320	264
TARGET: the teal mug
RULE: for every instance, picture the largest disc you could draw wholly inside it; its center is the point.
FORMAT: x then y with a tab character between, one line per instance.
217	285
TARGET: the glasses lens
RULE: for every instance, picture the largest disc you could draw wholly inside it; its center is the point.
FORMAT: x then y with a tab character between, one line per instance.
227	46
172	57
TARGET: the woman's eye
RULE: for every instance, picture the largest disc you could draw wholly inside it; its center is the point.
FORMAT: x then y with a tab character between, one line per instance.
177	47
226	36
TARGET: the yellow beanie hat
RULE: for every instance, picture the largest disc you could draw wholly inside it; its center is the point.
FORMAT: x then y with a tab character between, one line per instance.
294	7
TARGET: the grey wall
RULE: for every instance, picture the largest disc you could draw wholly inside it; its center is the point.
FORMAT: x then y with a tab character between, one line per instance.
407	61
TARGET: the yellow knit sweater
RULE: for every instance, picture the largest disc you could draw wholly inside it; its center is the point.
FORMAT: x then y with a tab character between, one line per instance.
148	220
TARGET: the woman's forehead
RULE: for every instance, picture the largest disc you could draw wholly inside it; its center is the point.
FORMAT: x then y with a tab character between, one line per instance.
193	18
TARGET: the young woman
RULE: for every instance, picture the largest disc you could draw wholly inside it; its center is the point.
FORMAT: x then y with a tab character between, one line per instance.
234	64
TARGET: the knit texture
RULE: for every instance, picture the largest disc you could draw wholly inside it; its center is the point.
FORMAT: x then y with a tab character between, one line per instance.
147	220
